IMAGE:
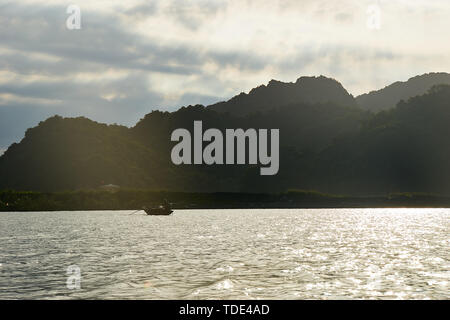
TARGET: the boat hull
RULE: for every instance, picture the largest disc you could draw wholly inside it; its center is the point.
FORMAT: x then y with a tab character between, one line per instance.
158	212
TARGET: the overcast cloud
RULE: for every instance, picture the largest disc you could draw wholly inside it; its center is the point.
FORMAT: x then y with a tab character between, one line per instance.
131	57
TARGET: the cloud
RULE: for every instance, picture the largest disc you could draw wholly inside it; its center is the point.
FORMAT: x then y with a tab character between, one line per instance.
194	14
142	11
134	56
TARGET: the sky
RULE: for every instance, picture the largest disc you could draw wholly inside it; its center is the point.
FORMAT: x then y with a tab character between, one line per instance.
131	57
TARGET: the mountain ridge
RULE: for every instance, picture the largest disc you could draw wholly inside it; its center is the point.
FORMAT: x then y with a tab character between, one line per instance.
387	97
324	146
310	90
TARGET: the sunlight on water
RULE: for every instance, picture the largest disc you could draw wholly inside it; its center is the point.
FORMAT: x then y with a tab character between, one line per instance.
228	254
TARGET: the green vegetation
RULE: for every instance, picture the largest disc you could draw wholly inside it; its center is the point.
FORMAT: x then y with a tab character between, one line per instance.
388	97
335	147
135	199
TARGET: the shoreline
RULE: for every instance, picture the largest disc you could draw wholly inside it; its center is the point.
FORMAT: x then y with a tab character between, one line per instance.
92	200
249	208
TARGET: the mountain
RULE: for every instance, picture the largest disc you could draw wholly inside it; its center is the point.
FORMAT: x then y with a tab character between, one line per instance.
74	153
306	90
325	146
77	153
404	148
304	130
389	96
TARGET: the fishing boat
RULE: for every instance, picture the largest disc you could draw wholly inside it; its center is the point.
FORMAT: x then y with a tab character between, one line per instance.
157	211
162	210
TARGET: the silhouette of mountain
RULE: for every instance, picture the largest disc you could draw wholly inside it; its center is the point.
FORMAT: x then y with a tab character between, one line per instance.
67	153
404	148
327	146
306	90
389	96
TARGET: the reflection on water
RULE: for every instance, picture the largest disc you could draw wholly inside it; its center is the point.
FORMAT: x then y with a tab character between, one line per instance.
228	254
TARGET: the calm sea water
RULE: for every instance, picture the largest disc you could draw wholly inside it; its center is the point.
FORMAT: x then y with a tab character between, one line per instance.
227	254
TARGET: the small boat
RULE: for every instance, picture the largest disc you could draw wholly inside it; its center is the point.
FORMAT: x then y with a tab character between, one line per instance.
163	210
160	211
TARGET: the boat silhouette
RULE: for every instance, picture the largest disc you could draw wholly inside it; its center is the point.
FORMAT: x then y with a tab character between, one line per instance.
162	210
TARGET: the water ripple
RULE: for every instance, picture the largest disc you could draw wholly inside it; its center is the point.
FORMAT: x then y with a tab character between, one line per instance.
228	254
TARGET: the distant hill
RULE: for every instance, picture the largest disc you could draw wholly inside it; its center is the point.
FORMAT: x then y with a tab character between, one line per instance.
327	146
306	90
74	153
77	153
389	96
404	148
